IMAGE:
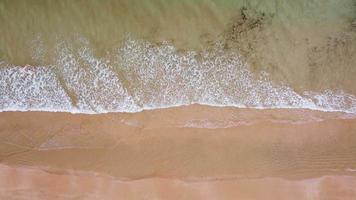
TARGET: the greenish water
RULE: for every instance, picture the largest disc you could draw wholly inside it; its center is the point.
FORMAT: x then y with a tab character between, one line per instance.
128	55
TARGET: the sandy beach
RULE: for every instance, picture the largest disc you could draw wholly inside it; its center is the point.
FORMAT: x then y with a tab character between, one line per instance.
32	183
177	100
240	153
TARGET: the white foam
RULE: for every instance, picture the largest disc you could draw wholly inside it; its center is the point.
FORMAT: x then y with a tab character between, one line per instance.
31	88
145	76
214	124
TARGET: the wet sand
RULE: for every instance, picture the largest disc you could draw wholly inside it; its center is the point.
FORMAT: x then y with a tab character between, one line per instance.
190	152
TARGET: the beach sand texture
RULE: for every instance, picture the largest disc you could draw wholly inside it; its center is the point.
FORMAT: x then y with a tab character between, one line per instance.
178	99
193	152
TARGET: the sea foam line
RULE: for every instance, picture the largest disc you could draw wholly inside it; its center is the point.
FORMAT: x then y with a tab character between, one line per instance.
143	76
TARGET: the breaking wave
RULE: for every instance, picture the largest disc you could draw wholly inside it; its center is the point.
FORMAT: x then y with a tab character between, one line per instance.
142	75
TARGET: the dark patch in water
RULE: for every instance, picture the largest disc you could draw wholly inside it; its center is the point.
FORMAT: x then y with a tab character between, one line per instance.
245	34
243	24
335	48
353	24
337	51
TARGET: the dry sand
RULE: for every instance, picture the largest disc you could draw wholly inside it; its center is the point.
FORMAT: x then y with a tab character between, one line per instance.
192	152
22	183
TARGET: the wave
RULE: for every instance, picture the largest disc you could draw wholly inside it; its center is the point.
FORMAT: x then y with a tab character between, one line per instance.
142	75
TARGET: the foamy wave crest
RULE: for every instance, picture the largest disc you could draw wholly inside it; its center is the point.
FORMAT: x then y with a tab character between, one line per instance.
142	75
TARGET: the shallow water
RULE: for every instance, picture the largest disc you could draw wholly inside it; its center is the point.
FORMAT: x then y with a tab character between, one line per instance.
126	56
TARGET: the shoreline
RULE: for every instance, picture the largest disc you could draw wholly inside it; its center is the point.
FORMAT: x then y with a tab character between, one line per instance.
183	106
338	112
